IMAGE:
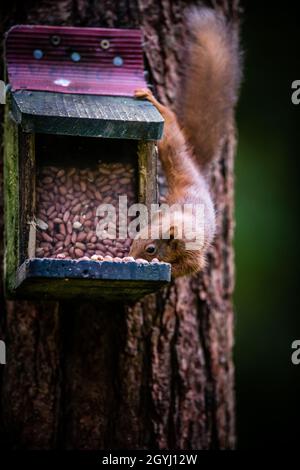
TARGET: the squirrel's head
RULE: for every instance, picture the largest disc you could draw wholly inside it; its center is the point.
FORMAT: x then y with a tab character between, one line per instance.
170	250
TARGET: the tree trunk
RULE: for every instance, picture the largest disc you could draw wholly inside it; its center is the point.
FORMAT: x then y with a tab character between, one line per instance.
155	375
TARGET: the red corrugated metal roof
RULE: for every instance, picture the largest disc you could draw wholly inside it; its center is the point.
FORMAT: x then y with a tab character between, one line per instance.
75	60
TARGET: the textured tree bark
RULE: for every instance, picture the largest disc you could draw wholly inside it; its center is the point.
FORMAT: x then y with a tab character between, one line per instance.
155	375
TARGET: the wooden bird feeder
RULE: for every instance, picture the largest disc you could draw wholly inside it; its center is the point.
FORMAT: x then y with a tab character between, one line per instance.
75	138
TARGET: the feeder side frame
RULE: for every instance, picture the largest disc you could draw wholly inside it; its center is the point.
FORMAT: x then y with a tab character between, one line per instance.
11	200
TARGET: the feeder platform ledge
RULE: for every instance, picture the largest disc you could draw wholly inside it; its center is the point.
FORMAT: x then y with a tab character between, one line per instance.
47	278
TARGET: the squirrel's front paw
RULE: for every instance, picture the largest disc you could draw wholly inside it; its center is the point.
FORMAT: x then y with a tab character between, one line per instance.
143	93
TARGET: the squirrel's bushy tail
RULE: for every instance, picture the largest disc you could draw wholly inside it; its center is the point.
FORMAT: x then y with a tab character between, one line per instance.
211	83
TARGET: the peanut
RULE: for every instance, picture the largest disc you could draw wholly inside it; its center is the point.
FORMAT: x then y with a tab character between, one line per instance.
67	201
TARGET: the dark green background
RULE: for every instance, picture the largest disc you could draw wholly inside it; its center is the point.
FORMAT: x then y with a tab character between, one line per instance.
267	230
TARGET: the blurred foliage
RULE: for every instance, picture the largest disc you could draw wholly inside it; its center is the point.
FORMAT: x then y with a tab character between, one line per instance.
266	241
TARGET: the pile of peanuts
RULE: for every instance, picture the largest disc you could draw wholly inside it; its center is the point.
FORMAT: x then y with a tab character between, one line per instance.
67	200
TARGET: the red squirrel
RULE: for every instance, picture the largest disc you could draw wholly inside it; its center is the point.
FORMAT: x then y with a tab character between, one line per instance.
193	139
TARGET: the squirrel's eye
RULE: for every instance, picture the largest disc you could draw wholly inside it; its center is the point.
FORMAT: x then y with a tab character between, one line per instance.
150	249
